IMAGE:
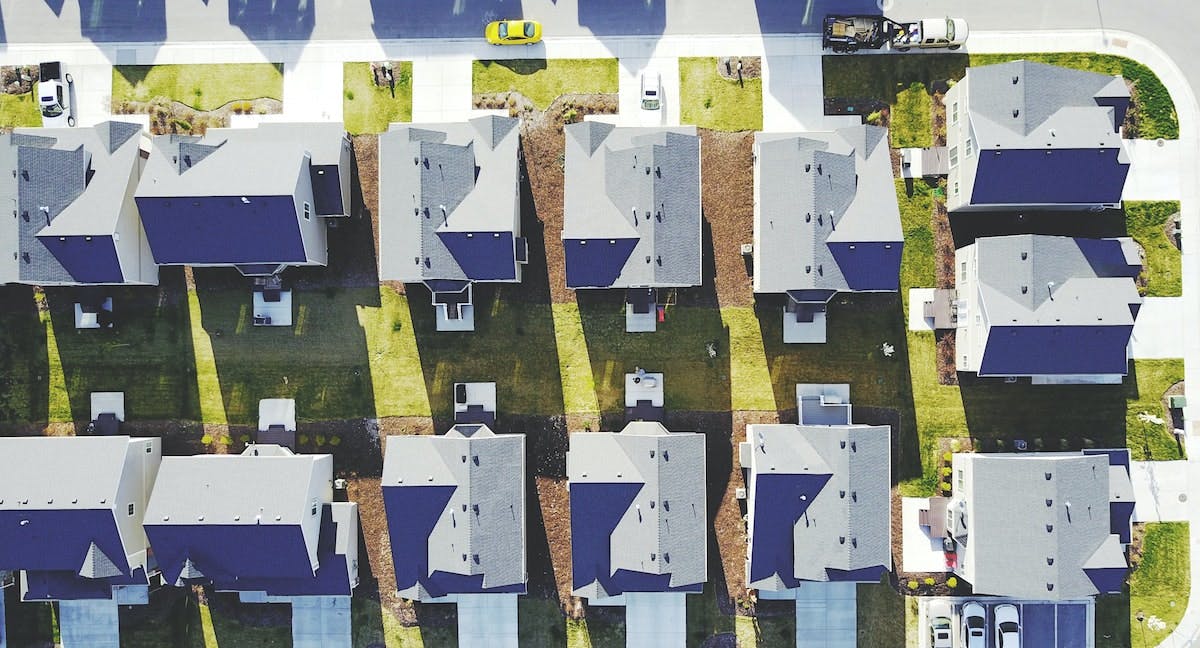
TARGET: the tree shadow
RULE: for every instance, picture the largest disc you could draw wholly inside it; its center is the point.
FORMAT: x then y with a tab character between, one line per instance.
858	325
321	360
423	19
273	21
968	226
519	66
24	369
147	354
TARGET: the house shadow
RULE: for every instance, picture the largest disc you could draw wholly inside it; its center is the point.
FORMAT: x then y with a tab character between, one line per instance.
121	21
858	328
1002	414
438	623
290	20
423	19
146	354
24	367
171	619
232	619
321	361
1079	223
789	17
611	20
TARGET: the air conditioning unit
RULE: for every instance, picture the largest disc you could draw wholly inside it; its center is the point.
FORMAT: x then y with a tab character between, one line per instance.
740	493
747	249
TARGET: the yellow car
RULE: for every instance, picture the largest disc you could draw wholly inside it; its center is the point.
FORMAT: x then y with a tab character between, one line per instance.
513	32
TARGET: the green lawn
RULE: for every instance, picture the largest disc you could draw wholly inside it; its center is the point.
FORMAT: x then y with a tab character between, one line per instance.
881	616
543	80
1112	621
20	110
1159	586
1164	263
201	86
777	630
912	116
1152	105
710	101
368	108
1146	440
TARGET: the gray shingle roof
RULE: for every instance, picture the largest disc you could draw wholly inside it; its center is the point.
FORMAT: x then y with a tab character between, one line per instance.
1053	105
1027	531
820	188
486	513
469	168
79	174
847	527
64	472
1016	273
626	182
671	467
225	162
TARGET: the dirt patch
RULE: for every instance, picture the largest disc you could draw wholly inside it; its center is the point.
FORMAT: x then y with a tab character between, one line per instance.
734	68
555	504
727	523
939	119
543	147
943	240
169	117
727	201
946	370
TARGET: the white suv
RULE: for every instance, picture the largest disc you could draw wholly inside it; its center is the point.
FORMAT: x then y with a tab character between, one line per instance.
651	91
54	95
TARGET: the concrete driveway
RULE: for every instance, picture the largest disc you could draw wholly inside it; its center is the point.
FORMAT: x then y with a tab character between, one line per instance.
1160	491
629	103
655	619
1158	330
827	615
487	621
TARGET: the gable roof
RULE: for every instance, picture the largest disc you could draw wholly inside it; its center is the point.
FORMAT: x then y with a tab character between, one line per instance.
456	512
65	182
1024	104
632	194
1039	524
471	169
820	502
638	511
817	195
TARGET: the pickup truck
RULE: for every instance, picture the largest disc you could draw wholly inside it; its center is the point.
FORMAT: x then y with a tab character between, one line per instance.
54	95
852	33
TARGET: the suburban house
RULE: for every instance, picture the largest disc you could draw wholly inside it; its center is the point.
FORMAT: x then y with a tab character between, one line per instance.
1057	309
1025	135
253	198
75	221
1044	526
455	507
71	512
450	210
639	525
631	216
826	220
818	496
263	524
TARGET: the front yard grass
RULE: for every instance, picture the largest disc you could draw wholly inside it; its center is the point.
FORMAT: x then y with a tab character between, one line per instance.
708	100
543	80
1159	585
1147	223
1144	393
202	86
369	108
881	616
18	110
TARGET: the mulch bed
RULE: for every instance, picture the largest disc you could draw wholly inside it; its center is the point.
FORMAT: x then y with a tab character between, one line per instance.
174	117
727	201
727	67
18	79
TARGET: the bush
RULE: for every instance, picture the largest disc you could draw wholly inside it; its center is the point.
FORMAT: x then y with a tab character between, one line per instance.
912	585
952	582
948	457
875	118
708	102
350	95
955	445
929	581
947	471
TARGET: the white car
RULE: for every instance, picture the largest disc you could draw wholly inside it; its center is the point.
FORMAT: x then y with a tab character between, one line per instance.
54	95
651	91
941	632
974	622
1008	626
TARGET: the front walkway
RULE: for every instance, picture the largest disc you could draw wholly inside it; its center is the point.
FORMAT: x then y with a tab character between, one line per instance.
1160	491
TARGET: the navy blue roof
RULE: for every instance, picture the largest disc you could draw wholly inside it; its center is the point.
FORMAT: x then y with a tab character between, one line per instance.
1107	257
1052	350
869	266
57	540
69	586
864	575
1116	456
1107	581
483	256
222	229
596	263
88	259
595	511
327	189
779	502
1061	176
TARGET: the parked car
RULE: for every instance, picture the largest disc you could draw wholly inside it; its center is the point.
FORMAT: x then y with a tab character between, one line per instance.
1008	626
651	91
974	622
513	32
54	95
852	33
941	632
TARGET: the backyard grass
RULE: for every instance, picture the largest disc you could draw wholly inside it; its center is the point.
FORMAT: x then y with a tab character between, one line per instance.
201	86
912	113
1147	440
20	109
1159	586
368	108
543	80
881	616
1112	620
1154	111
774	631
708	100
1147	223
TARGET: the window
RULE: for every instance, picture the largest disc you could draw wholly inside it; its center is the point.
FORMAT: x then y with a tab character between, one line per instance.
307	211
313	510
954	113
955	188
959	476
131	509
953	156
969	147
962	275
